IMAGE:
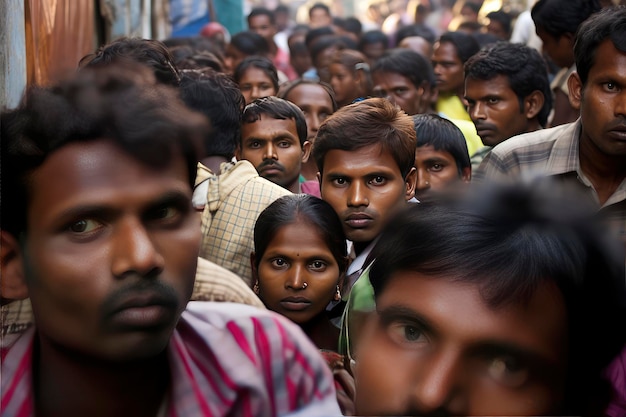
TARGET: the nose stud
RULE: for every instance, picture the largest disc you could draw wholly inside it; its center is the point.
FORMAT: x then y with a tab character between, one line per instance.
305	285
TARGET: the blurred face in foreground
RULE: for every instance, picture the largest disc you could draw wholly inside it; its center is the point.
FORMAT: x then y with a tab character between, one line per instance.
434	347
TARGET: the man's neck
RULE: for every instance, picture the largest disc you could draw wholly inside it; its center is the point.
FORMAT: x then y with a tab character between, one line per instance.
606	172
359	247
93	388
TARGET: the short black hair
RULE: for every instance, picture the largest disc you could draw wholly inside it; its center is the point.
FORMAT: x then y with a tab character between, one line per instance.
523	66
250	43
509	240
558	17
321	6
262	11
407	63
149	52
218	97
610	23
371	37
277	108
464	43
415	30
121	102
501	17
442	135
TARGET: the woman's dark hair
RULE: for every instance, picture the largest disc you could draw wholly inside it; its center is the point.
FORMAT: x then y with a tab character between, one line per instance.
289	86
307	209
260	62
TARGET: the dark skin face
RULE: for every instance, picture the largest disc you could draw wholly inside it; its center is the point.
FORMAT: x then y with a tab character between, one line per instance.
437	171
448	68
96	212
434	347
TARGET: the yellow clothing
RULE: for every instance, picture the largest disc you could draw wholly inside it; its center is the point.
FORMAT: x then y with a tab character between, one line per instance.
452	107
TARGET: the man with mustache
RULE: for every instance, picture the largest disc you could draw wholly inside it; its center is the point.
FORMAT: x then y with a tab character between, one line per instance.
590	153
99	230
274	140
507	92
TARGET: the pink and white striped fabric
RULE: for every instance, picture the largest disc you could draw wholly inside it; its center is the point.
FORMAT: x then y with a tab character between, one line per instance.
225	359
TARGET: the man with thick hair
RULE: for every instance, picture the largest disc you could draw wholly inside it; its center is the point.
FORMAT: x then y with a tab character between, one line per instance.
451	52
509	301
441	157
230	194
98	229
556	23
263	22
274	140
365	153
591	152
507	92
406	79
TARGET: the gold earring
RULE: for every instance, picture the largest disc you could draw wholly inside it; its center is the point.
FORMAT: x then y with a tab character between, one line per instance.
337	296
256	287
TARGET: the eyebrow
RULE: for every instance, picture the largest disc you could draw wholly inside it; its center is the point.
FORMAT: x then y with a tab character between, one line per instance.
400	312
102	211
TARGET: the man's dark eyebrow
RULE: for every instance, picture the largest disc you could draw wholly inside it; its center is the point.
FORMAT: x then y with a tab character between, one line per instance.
396	313
171	198
435	160
494	348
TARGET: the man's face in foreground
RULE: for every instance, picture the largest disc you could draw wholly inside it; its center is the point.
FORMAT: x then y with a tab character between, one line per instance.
434	346
111	250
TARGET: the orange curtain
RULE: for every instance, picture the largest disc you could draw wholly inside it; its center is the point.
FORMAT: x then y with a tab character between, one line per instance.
58	34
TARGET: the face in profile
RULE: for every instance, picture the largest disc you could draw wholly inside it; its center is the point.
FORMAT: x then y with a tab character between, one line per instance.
273	147
298	274
366	188
495	109
111	250
448	68
434	347
345	83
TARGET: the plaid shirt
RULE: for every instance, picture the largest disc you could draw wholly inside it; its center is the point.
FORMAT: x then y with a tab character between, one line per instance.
555	153
232	202
225	359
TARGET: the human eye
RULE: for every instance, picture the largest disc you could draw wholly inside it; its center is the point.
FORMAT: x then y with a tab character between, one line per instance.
278	263
400	91
610	87
508	370
493	100
84	226
378	180
322	116
245	87
339	181
318	265
284	144
254	144
436	167
403	332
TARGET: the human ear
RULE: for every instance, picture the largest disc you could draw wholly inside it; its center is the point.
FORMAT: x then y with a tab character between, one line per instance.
306	151
13	282
533	104
410	182
466	174
575	86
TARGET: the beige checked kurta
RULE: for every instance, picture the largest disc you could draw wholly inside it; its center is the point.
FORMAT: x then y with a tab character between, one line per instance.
232	202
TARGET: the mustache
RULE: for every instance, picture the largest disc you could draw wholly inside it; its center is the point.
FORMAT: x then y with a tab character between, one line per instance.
485	126
271	163
165	294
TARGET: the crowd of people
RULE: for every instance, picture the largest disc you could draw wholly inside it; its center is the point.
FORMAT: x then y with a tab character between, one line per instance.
316	220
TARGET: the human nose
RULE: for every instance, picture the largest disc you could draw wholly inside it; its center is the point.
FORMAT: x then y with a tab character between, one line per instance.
255	93
357	195
270	151
620	108
134	251
477	111
296	279
314	122
423	179
437	387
